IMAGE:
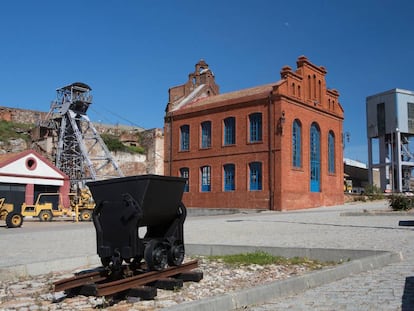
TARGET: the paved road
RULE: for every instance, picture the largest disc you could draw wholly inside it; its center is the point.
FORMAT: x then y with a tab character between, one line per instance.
389	288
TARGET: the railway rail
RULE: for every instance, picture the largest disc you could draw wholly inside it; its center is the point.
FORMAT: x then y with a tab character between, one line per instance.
102	282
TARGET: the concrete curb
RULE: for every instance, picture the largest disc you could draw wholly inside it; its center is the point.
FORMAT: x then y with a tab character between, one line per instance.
378	213
199	211
260	294
37	268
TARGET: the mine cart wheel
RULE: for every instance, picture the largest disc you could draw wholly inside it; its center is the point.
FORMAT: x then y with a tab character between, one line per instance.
136	262
14	220
45	215
176	254
85	215
156	255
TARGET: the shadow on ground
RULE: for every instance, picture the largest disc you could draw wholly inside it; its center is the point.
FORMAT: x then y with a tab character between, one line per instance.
408	296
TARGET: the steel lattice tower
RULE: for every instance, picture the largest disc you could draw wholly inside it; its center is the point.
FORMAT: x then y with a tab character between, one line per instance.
81	153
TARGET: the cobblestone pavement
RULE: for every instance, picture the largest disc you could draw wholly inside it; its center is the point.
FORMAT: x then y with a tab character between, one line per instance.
386	289
389	288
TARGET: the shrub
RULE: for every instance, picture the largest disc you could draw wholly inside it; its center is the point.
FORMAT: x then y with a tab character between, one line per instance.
114	144
374	193
399	202
136	149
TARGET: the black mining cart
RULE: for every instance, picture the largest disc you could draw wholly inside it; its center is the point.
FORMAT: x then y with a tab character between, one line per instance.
126	204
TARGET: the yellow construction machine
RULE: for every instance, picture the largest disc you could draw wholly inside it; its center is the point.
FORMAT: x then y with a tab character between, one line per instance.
83	205
13	219
48	206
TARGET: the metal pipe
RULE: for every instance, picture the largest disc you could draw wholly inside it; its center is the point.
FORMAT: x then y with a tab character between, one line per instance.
270	151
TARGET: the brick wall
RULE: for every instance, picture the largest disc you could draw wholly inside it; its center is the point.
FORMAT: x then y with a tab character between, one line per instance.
301	95
240	154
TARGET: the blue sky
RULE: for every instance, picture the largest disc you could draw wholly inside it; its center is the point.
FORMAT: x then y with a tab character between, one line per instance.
132	51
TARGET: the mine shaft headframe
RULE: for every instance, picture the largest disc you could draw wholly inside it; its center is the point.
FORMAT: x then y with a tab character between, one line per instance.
75	97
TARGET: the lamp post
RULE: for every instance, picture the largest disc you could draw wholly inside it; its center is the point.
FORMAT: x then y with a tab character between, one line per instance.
280	123
346	137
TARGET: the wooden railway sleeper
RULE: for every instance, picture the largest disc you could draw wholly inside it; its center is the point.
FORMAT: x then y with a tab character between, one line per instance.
100	283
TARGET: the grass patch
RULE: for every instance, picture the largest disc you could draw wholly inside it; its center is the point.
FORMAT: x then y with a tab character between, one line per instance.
262	258
13	130
114	144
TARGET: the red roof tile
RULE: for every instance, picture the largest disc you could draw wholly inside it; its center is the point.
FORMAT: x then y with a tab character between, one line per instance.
267	88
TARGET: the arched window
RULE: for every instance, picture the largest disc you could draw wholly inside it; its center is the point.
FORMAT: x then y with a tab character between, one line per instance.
255	120
229	177
296	143
184	173
205	178
315	158
255	176
185	137
206	134
331	152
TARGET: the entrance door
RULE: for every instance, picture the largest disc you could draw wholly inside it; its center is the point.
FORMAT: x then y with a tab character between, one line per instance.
315	159
14	194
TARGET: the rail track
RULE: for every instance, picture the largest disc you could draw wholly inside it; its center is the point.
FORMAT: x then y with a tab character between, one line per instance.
138	283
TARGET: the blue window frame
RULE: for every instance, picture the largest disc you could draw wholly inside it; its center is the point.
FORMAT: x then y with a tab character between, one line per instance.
206	134
185	137
255	176
185	173
230	131
331	152
205	178
296	144
315	156
255	120
229	177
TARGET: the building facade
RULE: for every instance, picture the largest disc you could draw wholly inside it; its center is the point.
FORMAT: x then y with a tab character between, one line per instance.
25	174
276	146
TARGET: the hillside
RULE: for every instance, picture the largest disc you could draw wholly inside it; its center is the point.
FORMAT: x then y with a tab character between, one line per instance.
133	150
14	137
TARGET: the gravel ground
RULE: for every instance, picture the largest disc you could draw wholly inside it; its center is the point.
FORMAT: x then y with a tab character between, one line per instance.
36	293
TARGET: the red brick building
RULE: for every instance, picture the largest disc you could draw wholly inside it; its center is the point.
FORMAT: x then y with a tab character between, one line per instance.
276	146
